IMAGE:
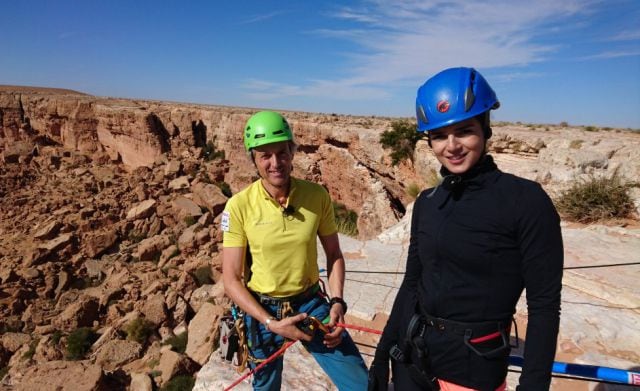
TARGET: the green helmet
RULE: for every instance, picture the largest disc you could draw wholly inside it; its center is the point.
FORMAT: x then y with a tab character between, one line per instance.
266	127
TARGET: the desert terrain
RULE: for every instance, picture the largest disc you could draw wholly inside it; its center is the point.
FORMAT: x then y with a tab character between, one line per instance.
110	273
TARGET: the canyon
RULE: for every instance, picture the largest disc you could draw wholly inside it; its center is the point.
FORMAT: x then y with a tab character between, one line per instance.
110	218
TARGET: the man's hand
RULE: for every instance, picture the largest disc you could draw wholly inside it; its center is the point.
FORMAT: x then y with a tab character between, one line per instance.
288	328
334	338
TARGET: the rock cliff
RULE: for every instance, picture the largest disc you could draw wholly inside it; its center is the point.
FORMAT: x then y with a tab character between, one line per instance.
109	219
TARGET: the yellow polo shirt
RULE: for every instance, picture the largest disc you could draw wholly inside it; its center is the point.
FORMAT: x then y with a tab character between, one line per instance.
283	247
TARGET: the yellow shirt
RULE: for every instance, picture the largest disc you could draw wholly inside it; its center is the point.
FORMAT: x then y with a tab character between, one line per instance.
283	247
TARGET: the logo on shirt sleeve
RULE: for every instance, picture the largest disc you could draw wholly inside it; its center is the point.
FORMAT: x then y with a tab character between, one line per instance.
224	222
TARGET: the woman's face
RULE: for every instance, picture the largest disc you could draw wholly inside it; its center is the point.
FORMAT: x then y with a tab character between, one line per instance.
458	147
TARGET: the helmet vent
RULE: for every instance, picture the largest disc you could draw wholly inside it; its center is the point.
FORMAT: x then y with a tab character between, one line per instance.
469	98
279	132
423	116
259	135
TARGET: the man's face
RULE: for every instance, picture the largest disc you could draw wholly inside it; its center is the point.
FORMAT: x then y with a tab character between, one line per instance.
274	163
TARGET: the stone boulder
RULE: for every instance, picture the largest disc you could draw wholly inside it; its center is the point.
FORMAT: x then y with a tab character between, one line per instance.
155	309
140	382
142	210
150	249
173	364
96	244
203	332
63	376
209	196
115	353
81	313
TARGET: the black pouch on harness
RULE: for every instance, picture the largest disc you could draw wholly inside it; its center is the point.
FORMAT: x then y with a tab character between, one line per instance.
414	354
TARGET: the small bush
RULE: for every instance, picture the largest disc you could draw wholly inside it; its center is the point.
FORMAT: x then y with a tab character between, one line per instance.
136	236
28	355
225	188
189	220
575	144
401	139
596	199
210	152
413	190
202	275
3	372
179	342
139	330
179	383
79	342
346	220
56	337
590	129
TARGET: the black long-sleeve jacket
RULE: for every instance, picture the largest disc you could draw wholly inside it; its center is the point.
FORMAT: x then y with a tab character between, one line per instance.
476	242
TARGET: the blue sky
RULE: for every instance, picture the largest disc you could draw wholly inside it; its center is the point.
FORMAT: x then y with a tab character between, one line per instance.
548	60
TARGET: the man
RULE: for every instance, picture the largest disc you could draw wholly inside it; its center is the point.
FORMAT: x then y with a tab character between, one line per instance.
274	222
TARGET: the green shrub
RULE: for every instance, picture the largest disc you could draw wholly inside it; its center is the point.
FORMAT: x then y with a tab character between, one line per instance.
139	330
178	342
79	342
225	188
596	199
575	144
413	190
56	336
346	220
179	383
202	275
189	220
590	129
210	153
401	139
136	236
28	355
3	372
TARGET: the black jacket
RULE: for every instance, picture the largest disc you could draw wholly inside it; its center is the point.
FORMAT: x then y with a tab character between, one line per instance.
477	241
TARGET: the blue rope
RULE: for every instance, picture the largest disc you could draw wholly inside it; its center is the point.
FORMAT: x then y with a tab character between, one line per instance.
589	371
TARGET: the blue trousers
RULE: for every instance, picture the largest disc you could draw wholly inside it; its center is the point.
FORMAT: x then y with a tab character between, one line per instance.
343	364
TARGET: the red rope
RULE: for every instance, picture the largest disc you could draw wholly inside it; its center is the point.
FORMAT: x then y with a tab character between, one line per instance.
262	364
288	344
360	328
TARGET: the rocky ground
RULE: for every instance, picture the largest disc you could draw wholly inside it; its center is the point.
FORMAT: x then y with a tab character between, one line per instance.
109	226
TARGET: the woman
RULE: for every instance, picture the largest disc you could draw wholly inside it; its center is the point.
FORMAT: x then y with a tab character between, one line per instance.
477	241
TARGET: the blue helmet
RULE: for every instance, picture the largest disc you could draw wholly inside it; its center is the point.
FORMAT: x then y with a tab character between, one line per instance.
451	96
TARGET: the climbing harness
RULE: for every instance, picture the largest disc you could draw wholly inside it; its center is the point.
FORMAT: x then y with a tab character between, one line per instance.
474	333
585	372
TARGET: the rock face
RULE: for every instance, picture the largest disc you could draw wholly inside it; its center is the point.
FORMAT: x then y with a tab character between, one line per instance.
64	376
110	225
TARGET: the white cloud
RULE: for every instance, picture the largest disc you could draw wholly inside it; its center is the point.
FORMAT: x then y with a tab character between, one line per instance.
404	41
334	89
628	35
613	54
259	18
